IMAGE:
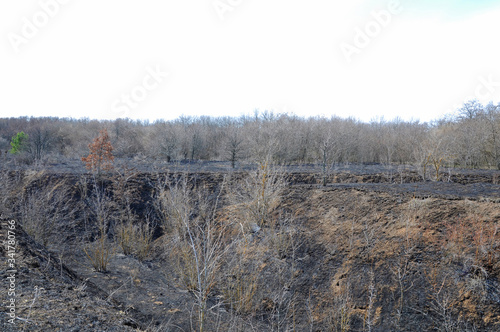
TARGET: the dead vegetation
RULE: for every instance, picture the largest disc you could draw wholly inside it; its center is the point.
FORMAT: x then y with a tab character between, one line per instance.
247	252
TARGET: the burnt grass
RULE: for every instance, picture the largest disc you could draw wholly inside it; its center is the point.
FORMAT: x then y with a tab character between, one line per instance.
394	252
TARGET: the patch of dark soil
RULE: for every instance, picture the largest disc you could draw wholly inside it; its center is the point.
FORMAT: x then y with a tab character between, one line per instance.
51	297
446	190
299	174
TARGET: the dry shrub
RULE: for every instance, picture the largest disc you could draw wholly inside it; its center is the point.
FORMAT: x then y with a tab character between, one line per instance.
239	284
418	206
477	284
239	291
8	191
283	237
342	307
132	235
282	242
125	234
102	208
45	209
486	240
242	290
172	202
257	195
135	239
99	253
442	298
185	265
199	243
468	238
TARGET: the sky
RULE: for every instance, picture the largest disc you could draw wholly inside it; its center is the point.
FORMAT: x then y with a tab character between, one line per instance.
160	59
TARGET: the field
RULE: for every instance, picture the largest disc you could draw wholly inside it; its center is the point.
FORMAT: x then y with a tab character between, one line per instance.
203	247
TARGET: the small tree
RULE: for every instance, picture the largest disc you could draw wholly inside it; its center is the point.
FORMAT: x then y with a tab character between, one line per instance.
19	142
200	240
258	194
101	156
234	147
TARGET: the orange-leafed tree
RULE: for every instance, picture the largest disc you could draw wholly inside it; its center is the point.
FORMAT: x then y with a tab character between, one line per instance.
101	153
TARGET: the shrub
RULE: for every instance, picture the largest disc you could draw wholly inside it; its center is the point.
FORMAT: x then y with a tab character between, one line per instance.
190	216
99	254
135	239
44	209
101	207
19	143
255	197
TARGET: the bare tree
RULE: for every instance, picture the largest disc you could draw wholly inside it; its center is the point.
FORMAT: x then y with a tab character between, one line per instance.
434	152
39	142
471	137
234	146
325	149
199	238
470	109
128	137
491	118
326	145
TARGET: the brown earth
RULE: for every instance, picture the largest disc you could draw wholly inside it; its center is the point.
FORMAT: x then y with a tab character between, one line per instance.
385	250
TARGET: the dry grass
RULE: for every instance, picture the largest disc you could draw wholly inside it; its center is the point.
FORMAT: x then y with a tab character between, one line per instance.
99	253
470	239
283	237
135	239
222	260
239	291
101	207
44	210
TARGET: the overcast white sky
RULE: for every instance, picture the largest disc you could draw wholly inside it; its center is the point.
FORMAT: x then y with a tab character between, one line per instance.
90	58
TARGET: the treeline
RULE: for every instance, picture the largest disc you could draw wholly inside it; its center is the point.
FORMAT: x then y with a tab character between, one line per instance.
470	138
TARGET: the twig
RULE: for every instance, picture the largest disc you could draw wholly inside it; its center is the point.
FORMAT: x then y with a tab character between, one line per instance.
37	294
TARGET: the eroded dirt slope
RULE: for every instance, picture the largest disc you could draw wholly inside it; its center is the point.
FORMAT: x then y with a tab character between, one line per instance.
370	253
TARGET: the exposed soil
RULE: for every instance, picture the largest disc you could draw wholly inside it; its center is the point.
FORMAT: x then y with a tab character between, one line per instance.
373	230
